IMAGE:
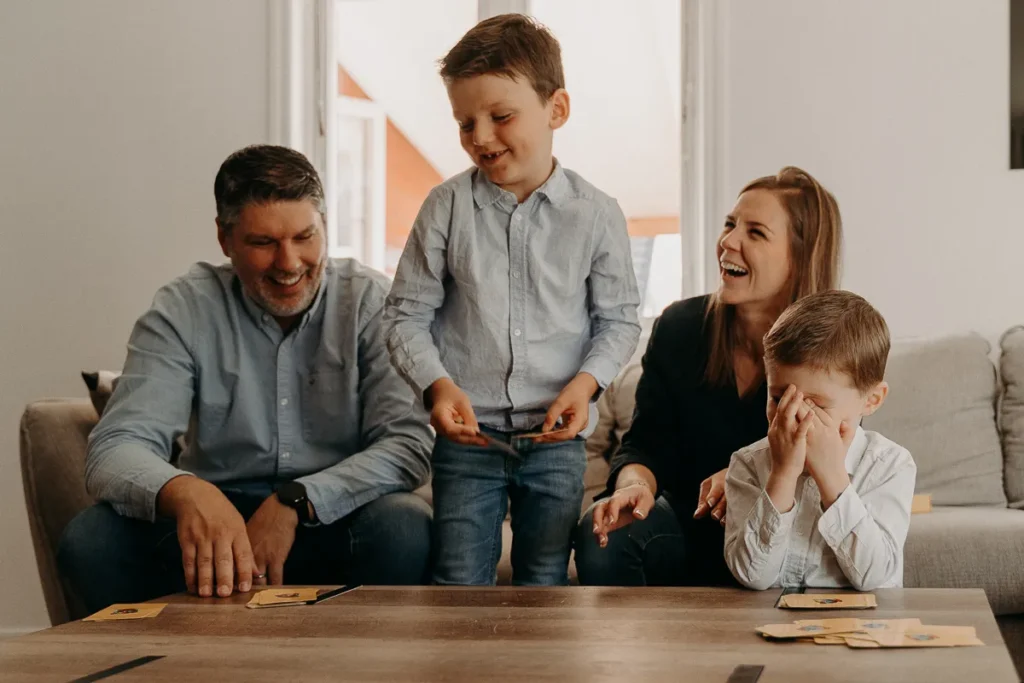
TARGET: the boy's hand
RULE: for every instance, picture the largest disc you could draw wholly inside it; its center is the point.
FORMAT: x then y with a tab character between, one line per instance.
787	434
573	406
827	444
452	414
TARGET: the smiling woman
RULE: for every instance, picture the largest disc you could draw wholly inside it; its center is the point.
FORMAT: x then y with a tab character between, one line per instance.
703	395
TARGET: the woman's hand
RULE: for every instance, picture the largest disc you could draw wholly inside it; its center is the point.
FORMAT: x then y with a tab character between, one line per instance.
712	497
633	499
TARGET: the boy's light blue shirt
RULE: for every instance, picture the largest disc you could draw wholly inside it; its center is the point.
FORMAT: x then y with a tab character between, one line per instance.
512	300
321	405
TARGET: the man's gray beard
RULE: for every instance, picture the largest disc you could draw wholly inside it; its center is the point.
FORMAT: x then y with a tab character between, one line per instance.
281	310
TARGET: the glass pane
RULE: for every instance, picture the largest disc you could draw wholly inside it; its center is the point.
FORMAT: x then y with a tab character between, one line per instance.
353	174
388	52
624	131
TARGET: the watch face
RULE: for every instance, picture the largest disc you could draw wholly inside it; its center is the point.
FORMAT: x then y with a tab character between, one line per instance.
292	493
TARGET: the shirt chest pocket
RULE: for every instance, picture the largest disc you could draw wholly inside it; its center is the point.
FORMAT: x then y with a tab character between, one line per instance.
330	408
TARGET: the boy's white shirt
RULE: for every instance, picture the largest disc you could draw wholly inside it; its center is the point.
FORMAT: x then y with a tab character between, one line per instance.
857	542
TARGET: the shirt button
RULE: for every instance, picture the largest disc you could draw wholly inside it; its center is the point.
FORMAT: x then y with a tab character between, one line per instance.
515	273
517	332
286	455
284	401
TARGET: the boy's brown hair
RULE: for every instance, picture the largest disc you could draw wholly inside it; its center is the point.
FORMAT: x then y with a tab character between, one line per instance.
510	45
834	330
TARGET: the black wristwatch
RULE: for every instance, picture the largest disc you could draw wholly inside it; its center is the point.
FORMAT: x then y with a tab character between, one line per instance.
293	494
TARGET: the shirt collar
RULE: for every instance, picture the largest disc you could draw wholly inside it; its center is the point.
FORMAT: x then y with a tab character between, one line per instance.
858	447
485	193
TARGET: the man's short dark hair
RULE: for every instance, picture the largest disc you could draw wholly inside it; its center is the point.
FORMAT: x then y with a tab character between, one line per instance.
264	173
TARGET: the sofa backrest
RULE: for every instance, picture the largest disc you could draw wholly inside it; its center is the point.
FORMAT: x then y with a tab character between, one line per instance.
1011	413
53	443
942	407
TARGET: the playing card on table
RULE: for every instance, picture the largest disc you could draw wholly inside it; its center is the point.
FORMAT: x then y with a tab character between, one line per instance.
281	597
828	601
823	627
928	636
120	611
861	635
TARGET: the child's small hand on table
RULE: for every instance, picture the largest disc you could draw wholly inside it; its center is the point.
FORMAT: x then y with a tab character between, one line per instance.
573	407
452	414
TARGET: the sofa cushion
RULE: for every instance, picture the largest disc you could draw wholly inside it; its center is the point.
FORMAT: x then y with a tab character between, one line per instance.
956	547
1011	414
100	385
941	406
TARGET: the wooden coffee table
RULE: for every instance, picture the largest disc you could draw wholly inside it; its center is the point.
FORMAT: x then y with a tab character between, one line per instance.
630	635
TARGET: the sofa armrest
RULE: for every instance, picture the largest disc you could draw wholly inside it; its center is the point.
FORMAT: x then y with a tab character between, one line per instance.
54	435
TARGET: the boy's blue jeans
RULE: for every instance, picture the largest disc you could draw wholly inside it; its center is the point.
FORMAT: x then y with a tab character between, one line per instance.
473	487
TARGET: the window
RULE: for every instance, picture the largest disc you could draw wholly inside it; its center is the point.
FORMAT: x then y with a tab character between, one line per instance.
358	230
395	138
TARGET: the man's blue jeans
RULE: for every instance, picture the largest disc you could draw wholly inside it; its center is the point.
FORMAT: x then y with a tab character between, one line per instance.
473	487
107	558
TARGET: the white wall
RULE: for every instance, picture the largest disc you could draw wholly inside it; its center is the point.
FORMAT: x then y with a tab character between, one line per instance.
115	117
901	109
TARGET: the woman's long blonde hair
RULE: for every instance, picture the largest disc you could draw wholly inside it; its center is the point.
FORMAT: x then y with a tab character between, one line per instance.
816	235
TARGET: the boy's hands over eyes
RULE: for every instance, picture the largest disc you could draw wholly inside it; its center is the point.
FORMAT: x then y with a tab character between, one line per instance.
787	441
452	414
787	434
573	406
827	443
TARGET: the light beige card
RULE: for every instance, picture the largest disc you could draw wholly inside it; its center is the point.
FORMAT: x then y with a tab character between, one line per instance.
829	640
928	636
813	630
860	643
866	626
870	624
921	503
120	611
281	597
828	601
537	435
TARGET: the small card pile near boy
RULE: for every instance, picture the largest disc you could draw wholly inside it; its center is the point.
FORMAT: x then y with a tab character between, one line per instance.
872	633
828	601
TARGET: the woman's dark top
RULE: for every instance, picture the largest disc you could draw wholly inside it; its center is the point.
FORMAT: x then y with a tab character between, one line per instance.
685	430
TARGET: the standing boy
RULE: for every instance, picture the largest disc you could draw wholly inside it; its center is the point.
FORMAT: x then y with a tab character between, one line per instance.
513	305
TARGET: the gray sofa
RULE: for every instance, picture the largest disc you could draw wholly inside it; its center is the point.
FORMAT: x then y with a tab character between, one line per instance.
959	412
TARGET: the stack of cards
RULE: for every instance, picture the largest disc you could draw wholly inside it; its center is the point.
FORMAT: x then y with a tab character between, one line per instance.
828	601
283	597
872	633
122	611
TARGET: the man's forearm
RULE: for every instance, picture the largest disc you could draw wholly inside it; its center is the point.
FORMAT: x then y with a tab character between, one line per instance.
362	478
128	476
